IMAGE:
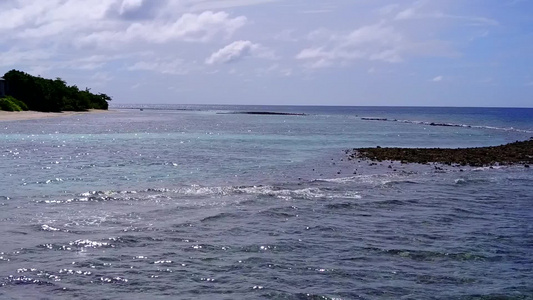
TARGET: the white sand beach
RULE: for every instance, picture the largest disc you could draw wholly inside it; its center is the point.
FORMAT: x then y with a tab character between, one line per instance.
32	115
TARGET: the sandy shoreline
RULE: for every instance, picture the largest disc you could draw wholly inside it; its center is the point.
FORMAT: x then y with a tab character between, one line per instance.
33	115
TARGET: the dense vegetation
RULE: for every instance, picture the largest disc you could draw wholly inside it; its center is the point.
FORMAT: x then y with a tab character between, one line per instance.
11	104
27	92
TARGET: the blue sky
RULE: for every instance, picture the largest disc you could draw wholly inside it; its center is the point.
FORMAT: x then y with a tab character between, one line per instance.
303	52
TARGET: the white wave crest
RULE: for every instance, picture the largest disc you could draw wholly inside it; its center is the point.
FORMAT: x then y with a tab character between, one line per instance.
446	124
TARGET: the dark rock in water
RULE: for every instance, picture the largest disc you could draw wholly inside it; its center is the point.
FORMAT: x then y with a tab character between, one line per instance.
374	119
513	153
264	113
445	124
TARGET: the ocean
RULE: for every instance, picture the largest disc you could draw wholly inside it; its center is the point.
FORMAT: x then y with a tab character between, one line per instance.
206	202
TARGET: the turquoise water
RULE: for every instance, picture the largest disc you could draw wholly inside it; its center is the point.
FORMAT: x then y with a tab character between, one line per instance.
198	202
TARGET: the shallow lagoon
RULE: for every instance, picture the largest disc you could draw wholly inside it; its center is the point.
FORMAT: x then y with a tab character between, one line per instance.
166	203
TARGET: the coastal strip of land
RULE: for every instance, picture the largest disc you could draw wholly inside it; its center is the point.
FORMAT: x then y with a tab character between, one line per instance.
520	152
33	115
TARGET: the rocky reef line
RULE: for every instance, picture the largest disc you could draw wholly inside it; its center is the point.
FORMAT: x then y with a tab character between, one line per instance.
520	152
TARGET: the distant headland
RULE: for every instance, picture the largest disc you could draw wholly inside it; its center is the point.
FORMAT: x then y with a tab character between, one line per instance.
20	91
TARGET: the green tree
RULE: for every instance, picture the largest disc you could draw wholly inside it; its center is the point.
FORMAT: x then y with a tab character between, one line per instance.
52	95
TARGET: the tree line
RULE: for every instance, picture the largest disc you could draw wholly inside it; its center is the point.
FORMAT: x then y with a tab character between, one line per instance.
27	92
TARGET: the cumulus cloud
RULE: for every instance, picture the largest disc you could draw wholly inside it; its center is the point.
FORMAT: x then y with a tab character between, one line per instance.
92	35
105	27
237	51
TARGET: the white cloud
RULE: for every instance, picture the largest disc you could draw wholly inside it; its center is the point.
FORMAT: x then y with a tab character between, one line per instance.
115	41
91	62
388	9
375	42
165	66
405	14
35	14
130	5
275	69
90	35
100	79
386	41
237	51
108	23
416	12
188	28
196	5
27	57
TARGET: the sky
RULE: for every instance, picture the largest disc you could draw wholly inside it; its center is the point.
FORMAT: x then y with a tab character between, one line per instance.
278	52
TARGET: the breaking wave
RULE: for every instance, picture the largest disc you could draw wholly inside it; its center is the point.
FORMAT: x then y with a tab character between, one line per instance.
445	124
193	191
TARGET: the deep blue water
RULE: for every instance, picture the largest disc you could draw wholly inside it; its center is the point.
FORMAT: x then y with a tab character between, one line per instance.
190	201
